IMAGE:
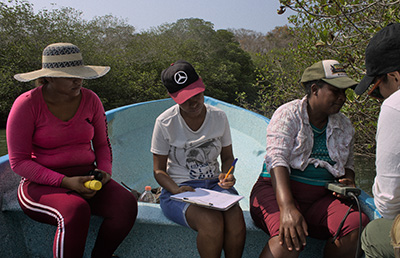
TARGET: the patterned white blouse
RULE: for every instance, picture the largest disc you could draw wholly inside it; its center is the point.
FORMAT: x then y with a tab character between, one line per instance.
290	140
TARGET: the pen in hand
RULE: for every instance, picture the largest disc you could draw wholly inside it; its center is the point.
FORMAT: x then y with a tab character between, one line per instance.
229	171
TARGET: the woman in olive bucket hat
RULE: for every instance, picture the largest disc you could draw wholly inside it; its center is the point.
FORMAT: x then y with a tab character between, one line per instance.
56	135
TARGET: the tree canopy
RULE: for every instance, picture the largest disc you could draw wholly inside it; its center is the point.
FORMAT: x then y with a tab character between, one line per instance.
341	30
136	59
324	29
255	70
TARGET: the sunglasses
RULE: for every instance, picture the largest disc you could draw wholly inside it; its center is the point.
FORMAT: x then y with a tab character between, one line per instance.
374	91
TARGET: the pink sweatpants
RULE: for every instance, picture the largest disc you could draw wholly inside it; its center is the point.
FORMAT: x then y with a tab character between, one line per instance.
71	214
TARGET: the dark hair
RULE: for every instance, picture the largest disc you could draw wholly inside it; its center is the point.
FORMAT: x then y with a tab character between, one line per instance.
41	81
307	86
384	78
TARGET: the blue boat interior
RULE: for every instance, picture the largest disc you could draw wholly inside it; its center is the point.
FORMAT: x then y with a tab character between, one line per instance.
130	130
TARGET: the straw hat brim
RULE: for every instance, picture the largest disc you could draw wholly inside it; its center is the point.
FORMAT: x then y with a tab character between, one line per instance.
82	72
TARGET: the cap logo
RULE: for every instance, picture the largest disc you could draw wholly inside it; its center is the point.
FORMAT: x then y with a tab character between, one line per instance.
333	69
180	77
337	68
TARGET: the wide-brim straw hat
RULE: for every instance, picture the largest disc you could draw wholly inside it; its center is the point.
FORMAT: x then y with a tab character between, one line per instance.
63	60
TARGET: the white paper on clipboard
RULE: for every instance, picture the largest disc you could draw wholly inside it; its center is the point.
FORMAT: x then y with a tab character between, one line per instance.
208	198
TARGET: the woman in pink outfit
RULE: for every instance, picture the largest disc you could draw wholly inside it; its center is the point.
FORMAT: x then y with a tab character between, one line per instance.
56	135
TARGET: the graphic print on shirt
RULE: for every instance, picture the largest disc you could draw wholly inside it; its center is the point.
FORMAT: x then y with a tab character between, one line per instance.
201	158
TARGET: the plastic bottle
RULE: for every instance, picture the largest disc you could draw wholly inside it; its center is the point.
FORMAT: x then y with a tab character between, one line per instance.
147	195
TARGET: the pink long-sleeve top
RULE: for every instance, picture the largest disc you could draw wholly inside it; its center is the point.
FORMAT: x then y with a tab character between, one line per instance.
43	149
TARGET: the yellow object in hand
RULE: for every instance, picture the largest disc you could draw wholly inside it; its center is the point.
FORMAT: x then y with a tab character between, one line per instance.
93	184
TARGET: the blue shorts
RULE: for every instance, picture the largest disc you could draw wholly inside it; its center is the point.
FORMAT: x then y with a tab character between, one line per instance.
176	210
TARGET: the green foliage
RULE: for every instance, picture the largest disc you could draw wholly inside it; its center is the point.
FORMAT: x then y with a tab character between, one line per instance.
335	30
136	59
259	72
278	73
320	29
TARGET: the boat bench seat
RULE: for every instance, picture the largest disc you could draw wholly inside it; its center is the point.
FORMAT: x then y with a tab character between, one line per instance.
153	235
148	213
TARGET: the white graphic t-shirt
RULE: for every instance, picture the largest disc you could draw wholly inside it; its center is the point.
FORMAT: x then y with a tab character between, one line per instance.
191	154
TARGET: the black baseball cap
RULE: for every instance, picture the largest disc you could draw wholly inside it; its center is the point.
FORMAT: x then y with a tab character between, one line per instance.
182	81
381	56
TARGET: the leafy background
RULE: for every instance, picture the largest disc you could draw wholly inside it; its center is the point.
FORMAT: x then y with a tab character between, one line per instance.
257	71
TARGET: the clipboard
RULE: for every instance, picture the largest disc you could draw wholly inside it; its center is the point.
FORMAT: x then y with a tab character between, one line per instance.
208	198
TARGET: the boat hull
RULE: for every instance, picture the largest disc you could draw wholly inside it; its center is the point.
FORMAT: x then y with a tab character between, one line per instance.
130	131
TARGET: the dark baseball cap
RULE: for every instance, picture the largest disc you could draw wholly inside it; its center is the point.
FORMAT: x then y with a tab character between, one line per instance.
182	81
381	56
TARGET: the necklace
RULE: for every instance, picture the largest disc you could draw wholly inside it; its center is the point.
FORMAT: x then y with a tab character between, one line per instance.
318	131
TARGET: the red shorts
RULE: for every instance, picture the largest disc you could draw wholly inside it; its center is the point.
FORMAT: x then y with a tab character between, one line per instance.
322	211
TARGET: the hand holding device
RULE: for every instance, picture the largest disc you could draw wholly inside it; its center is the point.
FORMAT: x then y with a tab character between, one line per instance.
94	184
343	189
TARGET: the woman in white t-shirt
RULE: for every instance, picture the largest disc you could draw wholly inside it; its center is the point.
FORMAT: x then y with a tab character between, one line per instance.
187	140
